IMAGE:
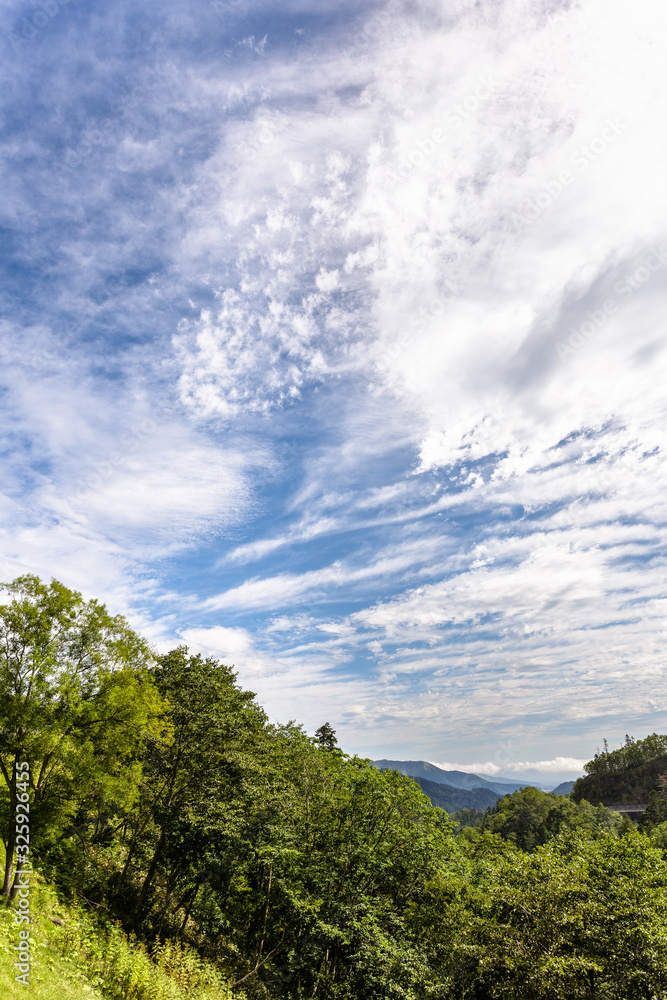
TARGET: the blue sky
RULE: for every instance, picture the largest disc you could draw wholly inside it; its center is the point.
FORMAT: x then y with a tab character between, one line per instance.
333	345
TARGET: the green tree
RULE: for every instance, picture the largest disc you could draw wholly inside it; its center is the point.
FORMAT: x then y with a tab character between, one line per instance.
74	700
623	925
336	854
633	753
200	778
530	817
575	919
326	737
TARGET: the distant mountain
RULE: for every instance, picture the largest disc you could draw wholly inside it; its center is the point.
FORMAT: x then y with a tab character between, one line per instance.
452	799
564	788
455	779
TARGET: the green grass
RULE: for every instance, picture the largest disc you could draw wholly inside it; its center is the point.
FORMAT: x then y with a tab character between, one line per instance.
81	960
53	976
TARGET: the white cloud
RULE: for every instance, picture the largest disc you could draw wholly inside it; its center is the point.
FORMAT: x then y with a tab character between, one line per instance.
464	310
174	489
558	765
379	240
302	532
478	366
287	588
226	644
459	314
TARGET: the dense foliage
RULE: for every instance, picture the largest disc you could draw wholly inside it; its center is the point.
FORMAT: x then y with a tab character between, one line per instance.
633	754
163	797
529	818
635	773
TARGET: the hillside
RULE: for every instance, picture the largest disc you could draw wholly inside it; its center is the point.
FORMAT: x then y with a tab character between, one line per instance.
625	776
75	957
452	799
455	779
624	788
564	788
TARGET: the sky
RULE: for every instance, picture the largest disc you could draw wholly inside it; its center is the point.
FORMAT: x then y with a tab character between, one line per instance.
332	345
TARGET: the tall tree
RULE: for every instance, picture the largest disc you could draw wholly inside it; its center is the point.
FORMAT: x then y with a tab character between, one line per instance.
326	737
198	778
74	700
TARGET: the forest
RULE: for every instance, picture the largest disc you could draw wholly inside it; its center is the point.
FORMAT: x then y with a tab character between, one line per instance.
166	809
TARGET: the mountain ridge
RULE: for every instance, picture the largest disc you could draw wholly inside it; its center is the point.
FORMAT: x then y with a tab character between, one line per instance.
453	799
462	780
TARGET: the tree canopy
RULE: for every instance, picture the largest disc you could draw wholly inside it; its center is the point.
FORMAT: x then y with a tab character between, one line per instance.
75	703
163	797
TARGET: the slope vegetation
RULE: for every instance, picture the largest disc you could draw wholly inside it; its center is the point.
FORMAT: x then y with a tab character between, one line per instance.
74	957
631	775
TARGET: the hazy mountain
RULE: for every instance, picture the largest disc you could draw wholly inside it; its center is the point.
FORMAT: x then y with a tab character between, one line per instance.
453	799
564	788
455	779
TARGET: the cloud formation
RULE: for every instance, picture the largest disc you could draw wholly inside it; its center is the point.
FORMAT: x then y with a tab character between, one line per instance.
334	344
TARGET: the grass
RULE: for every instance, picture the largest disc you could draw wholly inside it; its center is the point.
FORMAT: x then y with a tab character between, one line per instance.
77	959
54	975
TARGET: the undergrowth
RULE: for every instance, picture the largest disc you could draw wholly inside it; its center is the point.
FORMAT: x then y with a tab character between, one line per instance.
75	957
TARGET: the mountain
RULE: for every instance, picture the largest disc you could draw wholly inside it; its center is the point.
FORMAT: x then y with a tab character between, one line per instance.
455	779
564	788
452	799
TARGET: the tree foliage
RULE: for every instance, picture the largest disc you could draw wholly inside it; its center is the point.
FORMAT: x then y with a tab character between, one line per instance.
161	793
529	818
326	737
75	704
632	754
